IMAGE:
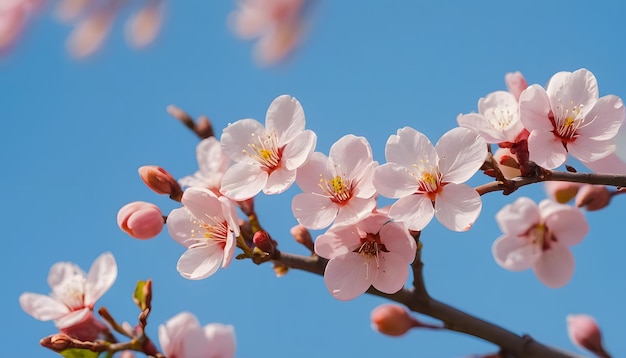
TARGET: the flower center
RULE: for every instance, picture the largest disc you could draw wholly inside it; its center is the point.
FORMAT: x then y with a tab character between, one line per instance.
501	118
566	121
264	149
211	230
73	293
370	248
541	236
339	188
428	178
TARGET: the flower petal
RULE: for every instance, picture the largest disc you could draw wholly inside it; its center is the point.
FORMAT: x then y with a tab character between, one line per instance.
285	116
351	156
534	106
200	262
394	181
100	278
180	225
567	223
408	145
243	181
279	180
355	209
457	206
517	217
221	339
589	150
202	203
173	332
237	136
308	176
75	317
555	267
393	272
416	211
514	253
299	150
461	153
606	117
42	307
396	239
337	241
546	150
313	211
349	276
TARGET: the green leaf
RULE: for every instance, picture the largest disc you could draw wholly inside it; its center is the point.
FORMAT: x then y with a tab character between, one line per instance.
79	353
139	295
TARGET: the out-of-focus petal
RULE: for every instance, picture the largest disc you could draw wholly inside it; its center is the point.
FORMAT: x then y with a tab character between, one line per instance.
517	217
42	307
568	224
514	253
100	278
174	331
221	338
143	27
555	267
89	35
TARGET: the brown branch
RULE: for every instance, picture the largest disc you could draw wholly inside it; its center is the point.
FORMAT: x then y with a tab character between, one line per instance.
418	300
512	185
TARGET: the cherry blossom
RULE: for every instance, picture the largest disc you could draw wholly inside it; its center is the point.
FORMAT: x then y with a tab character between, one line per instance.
207	226
584	332
212	165
539	237
569	117
427	179
338	187
266	158
279	25
498	118
373	252
183	337
14	16
515	83
74	295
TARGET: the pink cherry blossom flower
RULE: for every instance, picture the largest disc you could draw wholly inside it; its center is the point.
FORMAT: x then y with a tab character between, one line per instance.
212	165
74	295
428	181
14	15
539	237
373	252
569	117
207	226
338	187
183	337
266	158
497	119
279	25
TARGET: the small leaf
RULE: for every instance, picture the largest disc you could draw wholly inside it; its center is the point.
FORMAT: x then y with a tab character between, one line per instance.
79	353
139	295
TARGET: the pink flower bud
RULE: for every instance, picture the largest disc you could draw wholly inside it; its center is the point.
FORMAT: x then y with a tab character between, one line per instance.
515	83
562	191
593	197
392	320
303	237
264	242
140	220
57	342
160	181
585	333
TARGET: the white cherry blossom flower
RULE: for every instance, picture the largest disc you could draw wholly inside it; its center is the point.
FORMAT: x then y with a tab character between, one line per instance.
569	117
266	158
539	237
428	180
74	295
207	226
338	187
498	118
183	337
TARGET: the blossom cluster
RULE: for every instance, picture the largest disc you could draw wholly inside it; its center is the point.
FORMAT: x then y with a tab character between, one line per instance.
366	245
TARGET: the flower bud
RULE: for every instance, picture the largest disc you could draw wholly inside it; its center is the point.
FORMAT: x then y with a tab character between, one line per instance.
160	181
140	220
585	333
303	237
562	191
593	197
264	242
515	83
57	342
87	329
392	320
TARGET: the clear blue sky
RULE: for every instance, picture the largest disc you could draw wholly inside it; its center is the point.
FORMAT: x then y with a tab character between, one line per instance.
75	132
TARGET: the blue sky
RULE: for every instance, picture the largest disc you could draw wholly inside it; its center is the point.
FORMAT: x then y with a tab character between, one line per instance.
75	132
